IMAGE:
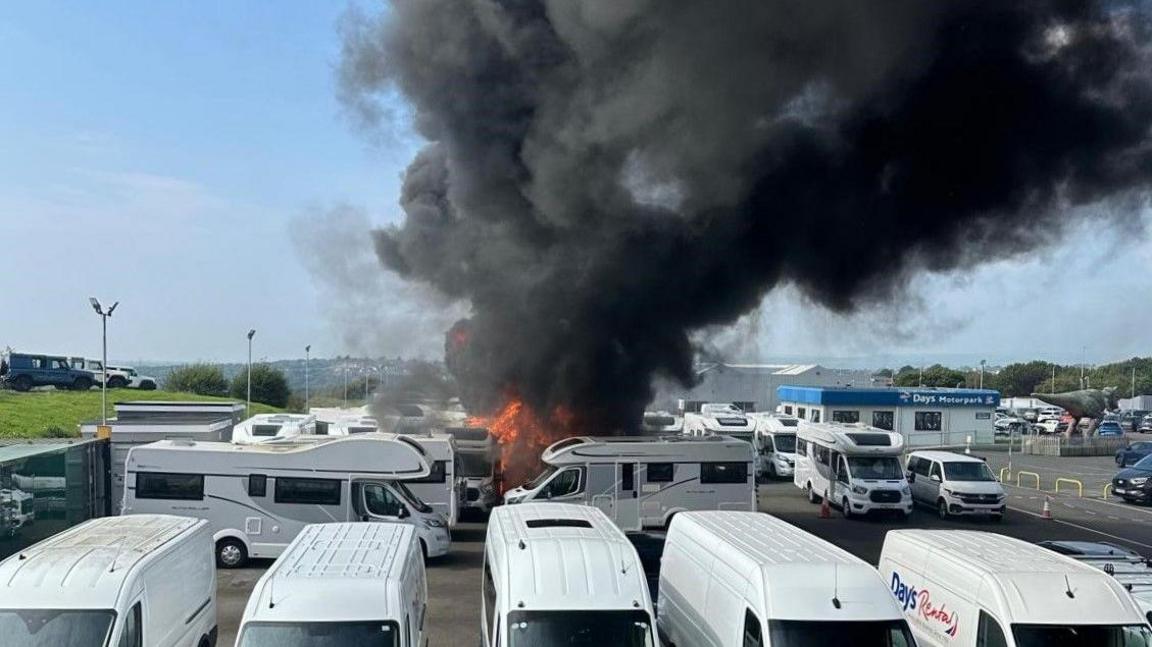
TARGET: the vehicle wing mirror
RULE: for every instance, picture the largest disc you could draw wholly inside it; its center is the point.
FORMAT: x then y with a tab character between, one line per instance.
402	513
547	494
911	477
935	477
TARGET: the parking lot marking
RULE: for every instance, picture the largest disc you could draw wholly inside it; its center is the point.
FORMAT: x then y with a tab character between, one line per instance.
1123	506
1086	528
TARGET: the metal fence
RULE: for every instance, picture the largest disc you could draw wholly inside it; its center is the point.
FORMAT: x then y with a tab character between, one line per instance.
1074	446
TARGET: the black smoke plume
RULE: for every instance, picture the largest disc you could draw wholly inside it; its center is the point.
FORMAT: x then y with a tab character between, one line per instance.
604	177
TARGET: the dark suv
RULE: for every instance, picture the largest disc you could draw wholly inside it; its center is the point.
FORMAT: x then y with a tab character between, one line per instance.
22	371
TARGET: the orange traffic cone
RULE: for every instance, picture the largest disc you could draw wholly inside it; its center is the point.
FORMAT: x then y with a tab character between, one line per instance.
1046	513
825	509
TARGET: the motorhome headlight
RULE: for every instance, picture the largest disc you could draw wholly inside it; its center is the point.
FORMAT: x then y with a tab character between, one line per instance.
859	489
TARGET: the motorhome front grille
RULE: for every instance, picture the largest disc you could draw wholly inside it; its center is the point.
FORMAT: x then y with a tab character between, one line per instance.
885	496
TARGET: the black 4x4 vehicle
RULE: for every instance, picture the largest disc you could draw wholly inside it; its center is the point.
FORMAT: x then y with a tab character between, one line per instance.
22	371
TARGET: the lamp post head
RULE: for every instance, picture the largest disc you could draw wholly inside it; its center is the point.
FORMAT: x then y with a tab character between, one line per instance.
96	306
251	334
308	348
113	308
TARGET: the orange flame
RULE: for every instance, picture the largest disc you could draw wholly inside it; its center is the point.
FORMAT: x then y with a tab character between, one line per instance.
523	436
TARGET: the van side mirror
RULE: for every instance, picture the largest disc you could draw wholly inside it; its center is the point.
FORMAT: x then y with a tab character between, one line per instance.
936	477
402	513
548	493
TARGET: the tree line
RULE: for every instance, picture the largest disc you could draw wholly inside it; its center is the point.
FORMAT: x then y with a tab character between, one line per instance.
1024	378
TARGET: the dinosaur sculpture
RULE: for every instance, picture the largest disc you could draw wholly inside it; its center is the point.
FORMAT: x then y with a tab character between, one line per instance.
1085	403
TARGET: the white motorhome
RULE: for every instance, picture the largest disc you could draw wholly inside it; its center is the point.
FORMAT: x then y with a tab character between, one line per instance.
263	427
443	489
955	484
725	420
369	576
775	444
642	481
142	581
257	498
856	467
476	460
557	574
962	588
748	578
334	421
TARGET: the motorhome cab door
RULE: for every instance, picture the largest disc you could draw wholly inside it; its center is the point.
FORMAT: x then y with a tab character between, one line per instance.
628	497
377	502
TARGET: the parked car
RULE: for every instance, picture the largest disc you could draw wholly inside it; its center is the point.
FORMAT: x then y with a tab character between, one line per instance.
23	371
1109	428
1132	484
117	378
1146	424
1049	426
135	380
1132	454
955	484
1008	426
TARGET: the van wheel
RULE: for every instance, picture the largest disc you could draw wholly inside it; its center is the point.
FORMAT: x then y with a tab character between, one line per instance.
231	553
22	383
942	508
812	496
845	509
82	384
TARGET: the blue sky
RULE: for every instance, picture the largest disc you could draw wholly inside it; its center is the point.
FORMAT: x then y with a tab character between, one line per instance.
191	161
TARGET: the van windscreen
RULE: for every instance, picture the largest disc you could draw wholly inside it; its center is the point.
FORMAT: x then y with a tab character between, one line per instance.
55	627
1082	635
869	633
579	628
379	633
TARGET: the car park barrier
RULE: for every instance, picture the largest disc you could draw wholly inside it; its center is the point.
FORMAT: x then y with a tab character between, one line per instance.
1003	471
1032	474
1107	488
1079	486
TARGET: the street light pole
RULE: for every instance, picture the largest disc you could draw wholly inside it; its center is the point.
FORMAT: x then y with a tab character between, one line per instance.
1083	353
307	357
103	356
345	385
248	404
982	363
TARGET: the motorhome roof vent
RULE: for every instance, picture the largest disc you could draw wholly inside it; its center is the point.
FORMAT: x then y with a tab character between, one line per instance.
732	422
557	523
870	440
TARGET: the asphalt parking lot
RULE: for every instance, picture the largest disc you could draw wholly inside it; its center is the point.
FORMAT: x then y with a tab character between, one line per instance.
454	580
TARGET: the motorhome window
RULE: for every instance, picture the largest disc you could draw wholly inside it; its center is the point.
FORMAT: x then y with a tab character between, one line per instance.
989	633
789	422
313	491
1082	635
380	502
929	420
884	420
822	455
870	440
157	485
784	443
627	476
579	628
723	472
858	633
489	600
265	430
361	430
473	465
130	637
369	633
752	635
875	467
437	473
815	415
659	472
968	471
842	471
801	447
55	627
257	485
410	496
845	416
567	482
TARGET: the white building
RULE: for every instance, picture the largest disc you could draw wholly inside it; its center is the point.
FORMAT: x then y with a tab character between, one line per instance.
927	417
753	387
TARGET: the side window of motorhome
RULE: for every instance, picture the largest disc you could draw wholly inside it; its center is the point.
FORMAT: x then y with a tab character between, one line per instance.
659	472
257	485
567	482
321	428
842	470
883	420
314	491
437	473
822	454
489	609
989	633
159	485
723	472
752	635
627	476
131	636
801	447
380	501
265	430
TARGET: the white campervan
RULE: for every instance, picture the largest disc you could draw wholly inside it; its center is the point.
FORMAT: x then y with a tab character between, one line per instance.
143	581
775	444
955	484
557	574
747	578
856	467
263	427
476	456
963	588
642	481
369	577
256	498
443	488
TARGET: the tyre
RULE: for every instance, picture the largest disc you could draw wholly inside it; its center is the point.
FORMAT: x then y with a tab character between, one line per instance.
845	508
812	496
22	383
231	553
147	385
942	508
997	518
772	475
117	382
81	384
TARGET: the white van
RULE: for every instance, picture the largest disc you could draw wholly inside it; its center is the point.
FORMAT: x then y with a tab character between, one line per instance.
856	467
963	588
955	484
263	427
557	574
642	481
256	498
775	445
143	581
341	584
748	578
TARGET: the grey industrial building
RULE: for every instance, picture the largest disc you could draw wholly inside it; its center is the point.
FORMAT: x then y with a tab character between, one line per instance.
753	386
